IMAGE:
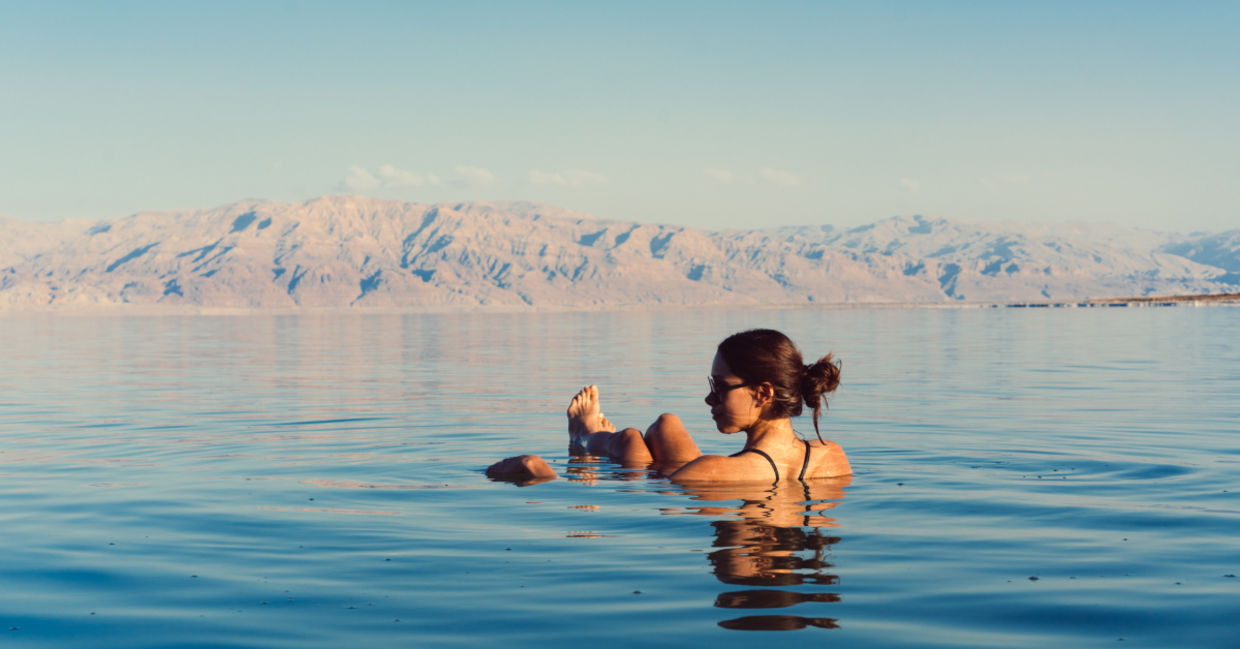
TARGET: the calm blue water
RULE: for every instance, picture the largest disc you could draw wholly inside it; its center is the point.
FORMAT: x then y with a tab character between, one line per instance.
1024	478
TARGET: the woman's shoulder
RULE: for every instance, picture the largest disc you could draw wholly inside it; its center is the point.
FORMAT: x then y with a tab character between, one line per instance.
827	460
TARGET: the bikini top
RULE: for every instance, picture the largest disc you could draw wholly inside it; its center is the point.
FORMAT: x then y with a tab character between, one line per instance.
804	463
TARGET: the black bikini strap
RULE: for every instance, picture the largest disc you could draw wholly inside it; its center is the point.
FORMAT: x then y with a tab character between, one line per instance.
763	454
805	462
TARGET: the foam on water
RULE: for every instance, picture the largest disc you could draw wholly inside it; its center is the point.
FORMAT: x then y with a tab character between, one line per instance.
1024	478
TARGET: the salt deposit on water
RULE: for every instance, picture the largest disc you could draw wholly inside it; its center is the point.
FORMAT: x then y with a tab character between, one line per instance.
1024	478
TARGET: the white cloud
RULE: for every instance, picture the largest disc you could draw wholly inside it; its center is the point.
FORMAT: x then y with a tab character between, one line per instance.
570	178
360	180
476	175
539	177
779	178
910	184
722	176
394	178
386	177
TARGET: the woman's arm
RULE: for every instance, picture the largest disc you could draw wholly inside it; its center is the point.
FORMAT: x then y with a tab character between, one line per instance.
524	469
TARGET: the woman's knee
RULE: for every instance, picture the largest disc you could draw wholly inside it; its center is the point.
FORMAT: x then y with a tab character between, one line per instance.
664	423
626	439
629	446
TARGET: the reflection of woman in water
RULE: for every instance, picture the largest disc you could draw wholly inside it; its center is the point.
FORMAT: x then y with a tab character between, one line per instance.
757	383
768	540
768	544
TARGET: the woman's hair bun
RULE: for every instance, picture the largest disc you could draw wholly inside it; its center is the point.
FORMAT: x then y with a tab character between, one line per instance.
821	378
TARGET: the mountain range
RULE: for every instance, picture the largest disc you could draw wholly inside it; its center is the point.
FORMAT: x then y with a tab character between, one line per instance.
341	252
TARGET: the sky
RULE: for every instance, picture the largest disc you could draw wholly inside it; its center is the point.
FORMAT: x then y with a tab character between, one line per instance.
705	114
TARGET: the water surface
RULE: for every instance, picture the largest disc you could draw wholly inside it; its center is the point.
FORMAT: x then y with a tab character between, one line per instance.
1024	478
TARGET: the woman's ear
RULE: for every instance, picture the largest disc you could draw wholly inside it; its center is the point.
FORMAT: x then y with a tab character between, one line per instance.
765	393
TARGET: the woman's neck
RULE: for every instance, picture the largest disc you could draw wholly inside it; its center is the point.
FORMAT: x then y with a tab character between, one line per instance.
770	434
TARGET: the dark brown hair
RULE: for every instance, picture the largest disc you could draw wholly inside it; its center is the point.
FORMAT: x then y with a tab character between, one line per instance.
767	356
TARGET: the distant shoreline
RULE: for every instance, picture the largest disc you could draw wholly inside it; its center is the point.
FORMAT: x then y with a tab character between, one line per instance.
1160	300
139	310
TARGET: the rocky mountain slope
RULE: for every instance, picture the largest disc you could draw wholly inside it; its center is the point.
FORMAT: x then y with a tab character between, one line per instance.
354	252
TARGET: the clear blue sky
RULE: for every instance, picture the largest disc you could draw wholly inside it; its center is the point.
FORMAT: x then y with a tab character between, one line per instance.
709	114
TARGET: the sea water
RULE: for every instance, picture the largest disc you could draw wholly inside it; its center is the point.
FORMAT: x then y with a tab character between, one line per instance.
1023	478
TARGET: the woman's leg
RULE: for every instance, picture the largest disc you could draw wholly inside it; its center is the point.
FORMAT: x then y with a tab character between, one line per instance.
666	441
588	428
670	444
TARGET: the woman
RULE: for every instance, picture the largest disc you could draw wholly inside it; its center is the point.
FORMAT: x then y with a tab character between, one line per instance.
757	383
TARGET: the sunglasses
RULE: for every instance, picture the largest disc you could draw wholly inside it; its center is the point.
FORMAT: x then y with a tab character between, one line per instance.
718	390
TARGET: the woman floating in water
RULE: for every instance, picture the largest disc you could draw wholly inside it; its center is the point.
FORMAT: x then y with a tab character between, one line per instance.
757	383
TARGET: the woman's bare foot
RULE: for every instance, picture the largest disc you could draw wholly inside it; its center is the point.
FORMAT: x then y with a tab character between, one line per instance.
584	416
588	429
